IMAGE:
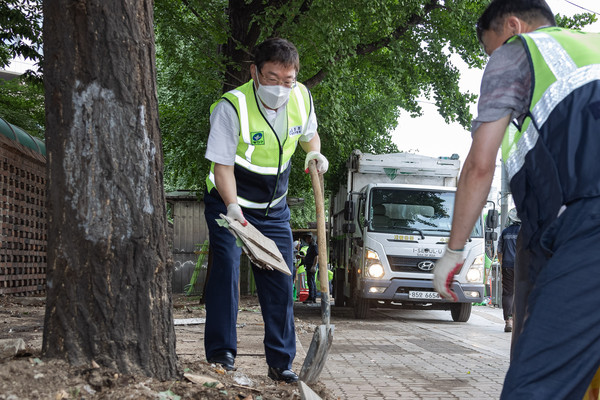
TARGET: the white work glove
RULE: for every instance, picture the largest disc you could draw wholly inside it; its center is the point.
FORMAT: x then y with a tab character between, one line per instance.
322	163
444	271
234	211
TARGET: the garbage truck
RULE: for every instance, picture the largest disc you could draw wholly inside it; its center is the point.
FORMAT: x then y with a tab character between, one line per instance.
390	223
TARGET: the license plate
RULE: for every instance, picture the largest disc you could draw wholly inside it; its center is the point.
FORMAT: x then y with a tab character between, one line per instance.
413	294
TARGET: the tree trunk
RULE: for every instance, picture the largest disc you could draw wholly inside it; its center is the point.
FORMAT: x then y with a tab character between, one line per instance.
109	270
240	44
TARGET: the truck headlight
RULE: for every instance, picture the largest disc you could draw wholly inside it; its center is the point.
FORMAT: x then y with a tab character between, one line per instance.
375	270
373	267
372	255
475	272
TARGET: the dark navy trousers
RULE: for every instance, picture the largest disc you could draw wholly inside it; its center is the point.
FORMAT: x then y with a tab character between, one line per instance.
557	351
274	288
312	285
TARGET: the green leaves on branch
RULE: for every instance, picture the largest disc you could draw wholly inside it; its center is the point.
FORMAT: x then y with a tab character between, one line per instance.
577	21
22	104
20	30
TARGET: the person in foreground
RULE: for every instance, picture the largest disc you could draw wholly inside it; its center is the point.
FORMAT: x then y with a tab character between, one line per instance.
546	80
255	129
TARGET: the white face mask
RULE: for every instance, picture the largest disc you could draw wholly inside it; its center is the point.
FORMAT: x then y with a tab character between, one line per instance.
273	96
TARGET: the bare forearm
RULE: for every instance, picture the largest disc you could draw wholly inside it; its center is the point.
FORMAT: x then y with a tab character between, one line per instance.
475	180
312	145
225	182
473	188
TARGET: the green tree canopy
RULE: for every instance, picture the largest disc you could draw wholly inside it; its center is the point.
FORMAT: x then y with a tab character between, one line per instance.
22	104
20	30
22	99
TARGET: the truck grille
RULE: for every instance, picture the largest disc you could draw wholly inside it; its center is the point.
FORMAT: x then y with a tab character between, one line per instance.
410	264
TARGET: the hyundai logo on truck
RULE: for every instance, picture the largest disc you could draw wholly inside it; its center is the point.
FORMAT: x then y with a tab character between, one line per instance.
426	265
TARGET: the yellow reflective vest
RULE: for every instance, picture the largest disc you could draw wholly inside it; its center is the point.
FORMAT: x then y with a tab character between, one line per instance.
262	163
551	158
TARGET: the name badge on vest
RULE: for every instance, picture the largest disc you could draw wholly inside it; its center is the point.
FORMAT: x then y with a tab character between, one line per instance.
257	138
295	130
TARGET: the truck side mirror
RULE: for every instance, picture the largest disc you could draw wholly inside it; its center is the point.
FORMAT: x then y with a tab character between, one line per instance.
349	210
491	221
491	236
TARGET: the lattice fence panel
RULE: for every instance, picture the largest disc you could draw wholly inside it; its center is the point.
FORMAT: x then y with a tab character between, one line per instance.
24	232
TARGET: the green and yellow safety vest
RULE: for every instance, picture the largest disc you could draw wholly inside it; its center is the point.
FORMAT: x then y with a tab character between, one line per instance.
551	158
262	163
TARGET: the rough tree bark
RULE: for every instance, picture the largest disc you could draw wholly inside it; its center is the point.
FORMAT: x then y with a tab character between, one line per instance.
241	41
109	279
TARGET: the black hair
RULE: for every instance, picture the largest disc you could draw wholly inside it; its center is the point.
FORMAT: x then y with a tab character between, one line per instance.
277	50
527	10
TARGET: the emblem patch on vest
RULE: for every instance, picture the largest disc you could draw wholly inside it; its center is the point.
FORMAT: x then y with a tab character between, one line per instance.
257	138
295	130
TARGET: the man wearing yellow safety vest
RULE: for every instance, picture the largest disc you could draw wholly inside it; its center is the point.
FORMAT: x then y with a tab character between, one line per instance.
546	81
255	129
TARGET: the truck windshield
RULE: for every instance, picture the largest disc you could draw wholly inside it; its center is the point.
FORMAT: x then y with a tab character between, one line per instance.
426	211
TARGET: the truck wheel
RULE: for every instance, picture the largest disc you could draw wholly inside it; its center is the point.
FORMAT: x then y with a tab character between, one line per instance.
461	312
361	307
340	299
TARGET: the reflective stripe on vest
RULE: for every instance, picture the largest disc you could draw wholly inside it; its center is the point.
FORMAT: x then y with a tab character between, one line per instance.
567	78
244	124
250	204
247	203
303	115
258	169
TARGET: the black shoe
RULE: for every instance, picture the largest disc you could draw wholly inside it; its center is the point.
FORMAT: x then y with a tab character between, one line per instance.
225	358
309	301
280	374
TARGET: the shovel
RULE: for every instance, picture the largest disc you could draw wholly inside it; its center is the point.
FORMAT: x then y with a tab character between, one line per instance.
323	336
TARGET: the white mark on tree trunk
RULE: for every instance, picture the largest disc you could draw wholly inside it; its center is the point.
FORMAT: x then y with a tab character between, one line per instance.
150	149
108	165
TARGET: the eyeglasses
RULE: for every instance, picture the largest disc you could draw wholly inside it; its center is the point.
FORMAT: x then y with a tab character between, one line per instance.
288	83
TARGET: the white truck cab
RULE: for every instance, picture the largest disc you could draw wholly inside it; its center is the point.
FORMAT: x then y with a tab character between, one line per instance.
389	227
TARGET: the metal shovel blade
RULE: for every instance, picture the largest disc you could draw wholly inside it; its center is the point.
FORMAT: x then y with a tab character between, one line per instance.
317	354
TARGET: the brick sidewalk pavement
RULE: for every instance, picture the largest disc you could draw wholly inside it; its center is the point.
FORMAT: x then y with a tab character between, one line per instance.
405	354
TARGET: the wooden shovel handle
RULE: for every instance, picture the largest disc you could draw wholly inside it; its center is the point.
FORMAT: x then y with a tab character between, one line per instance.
317	184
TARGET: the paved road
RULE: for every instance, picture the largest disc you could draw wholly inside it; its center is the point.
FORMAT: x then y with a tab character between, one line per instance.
409	354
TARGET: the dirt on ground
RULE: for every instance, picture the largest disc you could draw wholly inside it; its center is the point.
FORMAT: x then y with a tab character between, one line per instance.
29	376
